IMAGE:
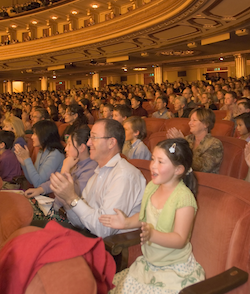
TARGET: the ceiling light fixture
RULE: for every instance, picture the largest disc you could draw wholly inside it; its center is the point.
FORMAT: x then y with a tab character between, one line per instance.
74	12
13	26
34	22
54	17
140	68
221	58
94	6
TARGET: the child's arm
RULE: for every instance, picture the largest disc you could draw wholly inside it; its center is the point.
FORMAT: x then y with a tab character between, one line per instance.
120	221
177	239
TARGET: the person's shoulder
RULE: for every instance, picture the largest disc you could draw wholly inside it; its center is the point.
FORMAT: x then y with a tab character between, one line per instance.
154	114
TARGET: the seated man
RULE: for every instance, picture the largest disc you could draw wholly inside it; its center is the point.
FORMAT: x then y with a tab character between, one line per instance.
161	106
115	184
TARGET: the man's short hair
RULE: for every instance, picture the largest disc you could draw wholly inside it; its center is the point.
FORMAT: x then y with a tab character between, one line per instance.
115	130
44	113
8	138
109	106
138	99
233	94
124	110
163	99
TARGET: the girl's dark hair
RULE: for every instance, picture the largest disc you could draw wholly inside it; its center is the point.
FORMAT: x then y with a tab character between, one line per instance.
81	136
181	154
245	117
48	135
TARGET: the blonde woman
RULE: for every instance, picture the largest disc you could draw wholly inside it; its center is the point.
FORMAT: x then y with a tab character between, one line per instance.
15	124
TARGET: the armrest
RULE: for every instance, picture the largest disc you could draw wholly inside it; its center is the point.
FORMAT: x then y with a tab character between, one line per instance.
222	283
117	246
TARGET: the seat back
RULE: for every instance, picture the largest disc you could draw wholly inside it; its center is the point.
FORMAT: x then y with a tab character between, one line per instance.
155	138
233	163
220	114
223	128
178	123
15	212
61	128
143	166
66	276
154	124
221	234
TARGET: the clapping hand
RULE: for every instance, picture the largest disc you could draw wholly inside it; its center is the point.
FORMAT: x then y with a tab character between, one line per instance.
21	153
174	133
146	232
115	221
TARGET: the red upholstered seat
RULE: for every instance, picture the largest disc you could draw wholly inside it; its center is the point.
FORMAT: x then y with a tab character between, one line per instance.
15	212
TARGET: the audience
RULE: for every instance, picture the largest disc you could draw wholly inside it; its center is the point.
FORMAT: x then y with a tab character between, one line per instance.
207	150
121	112
162	111
115	184
243	126
9	165
15	124
75	117
50	157
135	132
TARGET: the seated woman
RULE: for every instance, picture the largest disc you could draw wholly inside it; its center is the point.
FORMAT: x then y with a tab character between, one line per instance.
135	132
77	163
15	124
180	106
207	150
86	105
75	117
50	156
207	101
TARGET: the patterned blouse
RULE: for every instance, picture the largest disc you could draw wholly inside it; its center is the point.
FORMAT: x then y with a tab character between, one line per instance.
208	155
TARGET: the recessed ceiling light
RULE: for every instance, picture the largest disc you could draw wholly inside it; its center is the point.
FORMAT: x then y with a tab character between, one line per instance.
140	68
94	6
221	58
34	22
13	26
74	12
54	17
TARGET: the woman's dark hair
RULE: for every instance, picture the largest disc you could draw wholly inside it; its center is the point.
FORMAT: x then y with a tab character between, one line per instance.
48	135
179	153
81	136
17	112
81	118
53	113
86	102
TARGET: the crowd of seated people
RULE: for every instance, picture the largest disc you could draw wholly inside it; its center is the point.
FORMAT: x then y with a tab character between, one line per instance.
22	8
95	179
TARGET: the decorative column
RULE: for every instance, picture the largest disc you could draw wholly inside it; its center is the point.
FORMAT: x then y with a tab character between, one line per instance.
96	81
158	75
240	65
44	84
9	87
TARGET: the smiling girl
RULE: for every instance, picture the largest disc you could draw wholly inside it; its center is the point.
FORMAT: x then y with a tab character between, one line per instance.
166	218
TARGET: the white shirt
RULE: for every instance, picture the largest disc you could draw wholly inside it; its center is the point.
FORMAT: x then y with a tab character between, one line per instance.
119	185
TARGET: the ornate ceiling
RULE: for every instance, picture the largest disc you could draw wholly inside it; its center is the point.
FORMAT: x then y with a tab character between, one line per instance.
160	32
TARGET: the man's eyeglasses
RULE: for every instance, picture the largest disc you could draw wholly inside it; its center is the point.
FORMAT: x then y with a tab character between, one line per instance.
96	138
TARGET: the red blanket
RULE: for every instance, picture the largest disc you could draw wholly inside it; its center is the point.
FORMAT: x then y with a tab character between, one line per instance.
23	256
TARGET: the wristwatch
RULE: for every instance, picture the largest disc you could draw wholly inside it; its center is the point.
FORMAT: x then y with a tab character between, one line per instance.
74	202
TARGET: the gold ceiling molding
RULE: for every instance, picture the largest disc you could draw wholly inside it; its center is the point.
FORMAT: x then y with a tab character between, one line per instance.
140	19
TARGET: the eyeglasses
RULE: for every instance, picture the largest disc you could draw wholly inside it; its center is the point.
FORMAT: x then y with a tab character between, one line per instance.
95	138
